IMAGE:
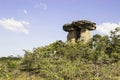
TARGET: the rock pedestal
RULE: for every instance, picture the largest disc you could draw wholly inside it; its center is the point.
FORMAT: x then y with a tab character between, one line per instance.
73	36
84	35
79	30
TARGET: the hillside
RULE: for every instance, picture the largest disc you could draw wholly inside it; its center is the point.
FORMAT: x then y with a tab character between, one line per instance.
98	59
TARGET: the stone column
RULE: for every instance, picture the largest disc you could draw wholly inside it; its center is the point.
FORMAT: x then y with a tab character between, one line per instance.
84	35
73	36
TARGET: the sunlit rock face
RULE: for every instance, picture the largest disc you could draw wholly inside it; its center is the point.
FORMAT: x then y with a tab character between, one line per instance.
79	30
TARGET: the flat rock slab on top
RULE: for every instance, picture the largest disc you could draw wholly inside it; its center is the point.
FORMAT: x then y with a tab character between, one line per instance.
78	25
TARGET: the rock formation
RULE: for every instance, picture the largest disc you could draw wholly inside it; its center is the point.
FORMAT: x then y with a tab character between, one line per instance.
79	30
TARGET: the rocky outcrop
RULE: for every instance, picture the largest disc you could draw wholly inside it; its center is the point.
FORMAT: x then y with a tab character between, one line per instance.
79	30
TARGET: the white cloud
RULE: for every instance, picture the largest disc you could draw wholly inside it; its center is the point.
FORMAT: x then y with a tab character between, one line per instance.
105	28
25	11
41	5
14	25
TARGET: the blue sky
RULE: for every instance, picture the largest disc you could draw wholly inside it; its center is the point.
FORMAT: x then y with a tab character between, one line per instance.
26	24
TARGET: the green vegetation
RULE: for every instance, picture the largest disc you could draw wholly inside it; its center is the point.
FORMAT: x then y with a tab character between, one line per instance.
99	59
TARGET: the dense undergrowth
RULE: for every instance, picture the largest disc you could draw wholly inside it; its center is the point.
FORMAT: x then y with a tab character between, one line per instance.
99	59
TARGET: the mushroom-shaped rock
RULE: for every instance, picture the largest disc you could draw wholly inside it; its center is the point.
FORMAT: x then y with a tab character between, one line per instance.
79	30
85	27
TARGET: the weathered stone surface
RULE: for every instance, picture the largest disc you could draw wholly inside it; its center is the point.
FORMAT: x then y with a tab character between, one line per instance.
79	30
73	36
69	27
82	24
84	35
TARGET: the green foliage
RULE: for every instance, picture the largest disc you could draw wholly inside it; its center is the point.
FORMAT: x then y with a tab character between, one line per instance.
99	59
115	40
62	61
8	65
